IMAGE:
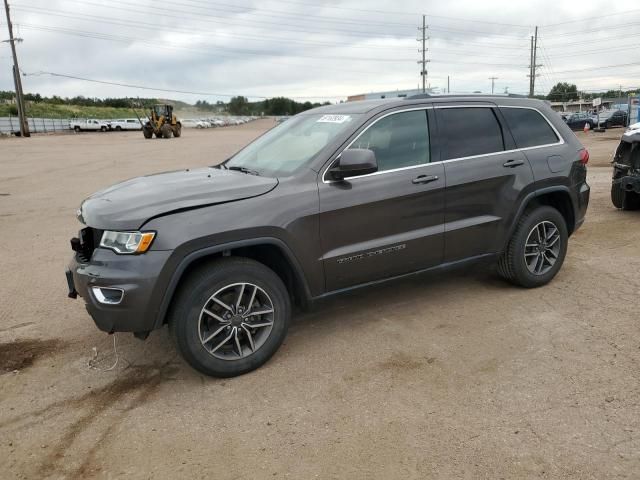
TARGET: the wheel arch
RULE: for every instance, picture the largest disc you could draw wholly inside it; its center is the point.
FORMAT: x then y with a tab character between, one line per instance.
271	252
558	197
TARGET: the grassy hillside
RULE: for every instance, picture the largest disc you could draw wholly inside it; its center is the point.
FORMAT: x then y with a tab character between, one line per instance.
48	110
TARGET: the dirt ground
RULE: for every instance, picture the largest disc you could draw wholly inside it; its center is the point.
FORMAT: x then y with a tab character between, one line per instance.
449	376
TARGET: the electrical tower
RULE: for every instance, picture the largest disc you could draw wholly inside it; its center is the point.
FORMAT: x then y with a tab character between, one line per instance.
24	125
424	60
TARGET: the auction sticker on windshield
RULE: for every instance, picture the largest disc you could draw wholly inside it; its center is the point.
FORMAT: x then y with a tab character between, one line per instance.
334	119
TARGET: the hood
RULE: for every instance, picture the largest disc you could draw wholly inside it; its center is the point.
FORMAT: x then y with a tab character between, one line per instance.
130	204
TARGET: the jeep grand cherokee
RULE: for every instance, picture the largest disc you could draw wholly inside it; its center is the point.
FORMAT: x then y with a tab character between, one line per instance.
335	198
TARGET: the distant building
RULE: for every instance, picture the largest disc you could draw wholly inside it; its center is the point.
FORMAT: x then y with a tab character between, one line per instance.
582	105
388	94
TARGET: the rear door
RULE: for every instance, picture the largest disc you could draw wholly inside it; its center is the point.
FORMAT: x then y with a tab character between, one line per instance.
390	222
485	175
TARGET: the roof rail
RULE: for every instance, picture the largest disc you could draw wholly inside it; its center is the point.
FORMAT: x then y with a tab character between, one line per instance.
426	95
418	96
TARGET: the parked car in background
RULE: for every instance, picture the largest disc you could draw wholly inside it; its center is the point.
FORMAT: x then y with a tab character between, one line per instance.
633	126
125	124
613	118
89	124
577	121
565	115
625	185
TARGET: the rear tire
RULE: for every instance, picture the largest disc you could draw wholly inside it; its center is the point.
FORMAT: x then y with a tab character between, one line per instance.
623	199
537	248
118	128
76	129
196	317
177	131
617	196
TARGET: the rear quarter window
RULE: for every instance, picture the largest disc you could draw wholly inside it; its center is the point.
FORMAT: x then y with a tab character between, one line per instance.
528	127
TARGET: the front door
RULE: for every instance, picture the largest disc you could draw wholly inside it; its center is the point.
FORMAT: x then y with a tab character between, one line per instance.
390	222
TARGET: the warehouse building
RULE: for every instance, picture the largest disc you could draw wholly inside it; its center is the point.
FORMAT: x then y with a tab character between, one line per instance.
388	94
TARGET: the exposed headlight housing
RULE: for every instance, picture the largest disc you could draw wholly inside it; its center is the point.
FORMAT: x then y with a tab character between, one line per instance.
127	243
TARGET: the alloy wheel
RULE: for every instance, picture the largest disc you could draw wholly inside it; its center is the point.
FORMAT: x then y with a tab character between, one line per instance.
542	248
236	321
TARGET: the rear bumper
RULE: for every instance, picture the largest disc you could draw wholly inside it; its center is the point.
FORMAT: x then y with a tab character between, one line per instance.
134	275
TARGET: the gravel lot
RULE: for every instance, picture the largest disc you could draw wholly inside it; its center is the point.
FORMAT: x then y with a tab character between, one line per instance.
452	376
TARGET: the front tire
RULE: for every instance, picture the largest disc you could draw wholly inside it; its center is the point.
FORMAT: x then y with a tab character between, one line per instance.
166	131
537	248
211	318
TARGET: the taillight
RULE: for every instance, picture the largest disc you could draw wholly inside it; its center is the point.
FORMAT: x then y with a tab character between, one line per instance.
584	156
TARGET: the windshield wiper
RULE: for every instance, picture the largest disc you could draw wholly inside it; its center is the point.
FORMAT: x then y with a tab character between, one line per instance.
243	170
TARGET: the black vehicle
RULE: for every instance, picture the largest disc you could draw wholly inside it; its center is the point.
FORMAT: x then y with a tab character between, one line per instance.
333	199
625	187
577	121
615	119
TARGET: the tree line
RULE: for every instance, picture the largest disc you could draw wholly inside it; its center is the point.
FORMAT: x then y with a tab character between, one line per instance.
237	105
566	92
271	106
79	100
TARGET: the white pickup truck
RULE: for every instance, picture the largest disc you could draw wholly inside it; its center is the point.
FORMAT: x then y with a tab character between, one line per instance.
88	124
125	124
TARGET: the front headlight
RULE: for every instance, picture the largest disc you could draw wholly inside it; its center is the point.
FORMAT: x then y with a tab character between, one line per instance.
127	242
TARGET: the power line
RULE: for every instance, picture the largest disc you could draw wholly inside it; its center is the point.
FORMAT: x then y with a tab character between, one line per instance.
562	45
599	67
395	12
226	21
582	32
227	52
156	89
150	26
591	18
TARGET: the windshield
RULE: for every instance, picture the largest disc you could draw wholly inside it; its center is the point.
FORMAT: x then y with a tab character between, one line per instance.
290	145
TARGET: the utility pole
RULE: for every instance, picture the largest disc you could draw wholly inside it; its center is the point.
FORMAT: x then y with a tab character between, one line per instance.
448	87
24	126
532	63
493	80
424	60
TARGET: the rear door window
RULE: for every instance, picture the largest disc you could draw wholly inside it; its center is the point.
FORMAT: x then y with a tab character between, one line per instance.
528	127
469	131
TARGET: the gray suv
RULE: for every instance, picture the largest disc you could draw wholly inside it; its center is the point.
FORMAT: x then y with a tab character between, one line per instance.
333	199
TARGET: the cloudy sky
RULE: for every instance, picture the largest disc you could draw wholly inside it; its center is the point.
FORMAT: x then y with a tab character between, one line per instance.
318	49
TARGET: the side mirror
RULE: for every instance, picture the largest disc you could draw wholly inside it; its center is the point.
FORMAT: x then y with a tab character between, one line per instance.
354	162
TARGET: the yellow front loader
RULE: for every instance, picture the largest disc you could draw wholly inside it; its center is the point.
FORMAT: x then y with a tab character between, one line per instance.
162	123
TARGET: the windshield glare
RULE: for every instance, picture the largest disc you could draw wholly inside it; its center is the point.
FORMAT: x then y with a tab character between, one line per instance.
292	144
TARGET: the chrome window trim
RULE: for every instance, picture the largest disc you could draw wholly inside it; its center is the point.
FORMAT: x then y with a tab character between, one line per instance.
561	140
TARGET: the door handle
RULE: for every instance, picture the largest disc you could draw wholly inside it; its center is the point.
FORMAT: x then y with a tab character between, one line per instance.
424	179
513	163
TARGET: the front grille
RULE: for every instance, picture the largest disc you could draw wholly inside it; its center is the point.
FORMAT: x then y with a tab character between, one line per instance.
88	240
